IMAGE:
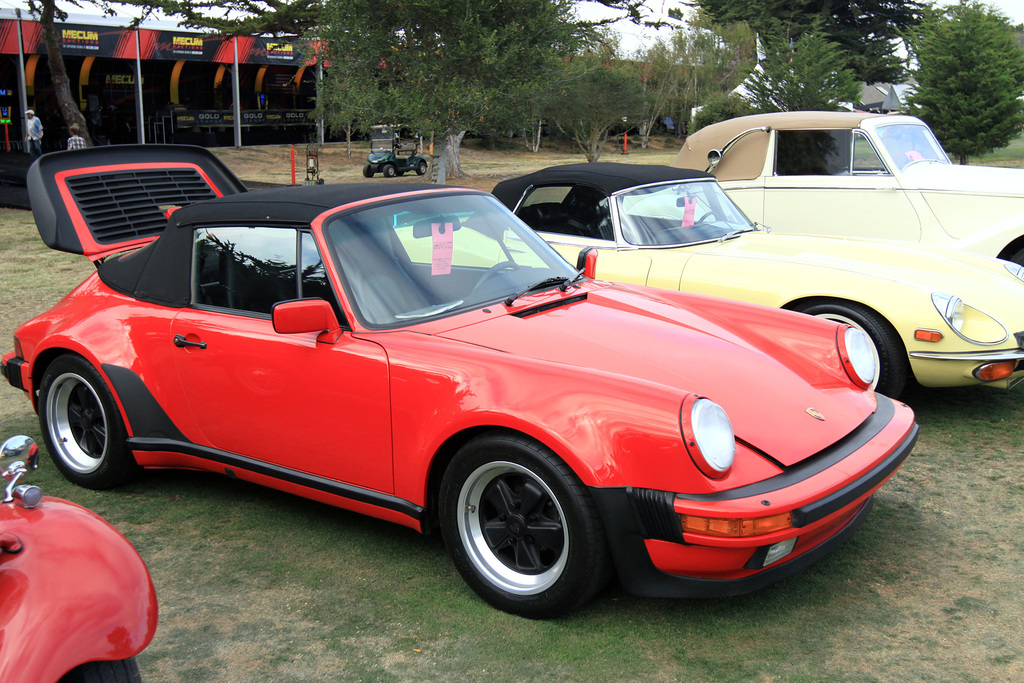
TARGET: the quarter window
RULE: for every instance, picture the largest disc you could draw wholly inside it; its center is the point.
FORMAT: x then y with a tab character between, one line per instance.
813	152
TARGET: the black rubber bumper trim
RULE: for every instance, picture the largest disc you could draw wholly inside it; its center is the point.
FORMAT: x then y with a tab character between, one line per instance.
12	371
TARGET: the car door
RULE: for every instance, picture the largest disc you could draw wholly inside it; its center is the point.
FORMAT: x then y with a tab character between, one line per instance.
834	183
301	405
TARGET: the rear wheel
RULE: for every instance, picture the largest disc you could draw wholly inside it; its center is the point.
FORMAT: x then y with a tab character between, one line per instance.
421	168
893	364
389	170
521	527
1017	257
82	426
120	671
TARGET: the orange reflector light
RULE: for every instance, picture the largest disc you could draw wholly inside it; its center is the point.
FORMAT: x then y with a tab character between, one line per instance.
736	528
994	371
928	335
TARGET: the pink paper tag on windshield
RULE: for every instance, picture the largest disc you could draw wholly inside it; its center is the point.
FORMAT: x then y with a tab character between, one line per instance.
689	207
444	247
914	155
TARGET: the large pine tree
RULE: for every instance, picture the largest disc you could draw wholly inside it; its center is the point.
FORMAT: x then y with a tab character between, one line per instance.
970	77
866	30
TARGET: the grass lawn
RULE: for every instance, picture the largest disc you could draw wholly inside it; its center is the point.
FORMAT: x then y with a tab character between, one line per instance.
256	585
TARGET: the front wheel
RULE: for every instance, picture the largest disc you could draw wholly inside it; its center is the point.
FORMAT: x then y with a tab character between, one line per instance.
893	365
367	171
82	426
521	528
120	671
389	170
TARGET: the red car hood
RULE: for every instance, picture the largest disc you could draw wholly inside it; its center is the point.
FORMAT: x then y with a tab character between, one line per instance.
761	369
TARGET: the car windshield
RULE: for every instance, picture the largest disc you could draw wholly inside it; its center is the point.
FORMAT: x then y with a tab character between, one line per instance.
675	214
908	143
425	258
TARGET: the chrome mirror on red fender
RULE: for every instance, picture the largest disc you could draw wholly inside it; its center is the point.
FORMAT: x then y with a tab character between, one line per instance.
18	456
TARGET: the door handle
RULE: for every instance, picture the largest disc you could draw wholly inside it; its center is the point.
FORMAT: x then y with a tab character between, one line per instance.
180	342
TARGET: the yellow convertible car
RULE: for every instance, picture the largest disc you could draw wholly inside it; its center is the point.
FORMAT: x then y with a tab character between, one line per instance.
860	175
943	317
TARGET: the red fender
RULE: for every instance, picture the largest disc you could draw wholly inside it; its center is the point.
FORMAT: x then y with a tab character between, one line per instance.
76	592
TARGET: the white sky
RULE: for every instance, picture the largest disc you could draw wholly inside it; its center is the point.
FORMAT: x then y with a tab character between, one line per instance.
633	37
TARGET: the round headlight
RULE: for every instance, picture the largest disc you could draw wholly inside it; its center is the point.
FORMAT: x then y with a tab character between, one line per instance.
860	357
1015	269
708	435
951	308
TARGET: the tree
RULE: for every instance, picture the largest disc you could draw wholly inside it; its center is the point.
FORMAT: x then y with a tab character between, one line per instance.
442	68
49	14
867	31
809	74
597	93
970	76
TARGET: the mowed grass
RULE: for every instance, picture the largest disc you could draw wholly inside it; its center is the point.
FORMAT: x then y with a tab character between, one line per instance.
256	585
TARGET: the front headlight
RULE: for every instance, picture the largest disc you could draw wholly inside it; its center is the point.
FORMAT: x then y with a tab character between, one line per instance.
951	308
860	359
969	323
708	435
1015	269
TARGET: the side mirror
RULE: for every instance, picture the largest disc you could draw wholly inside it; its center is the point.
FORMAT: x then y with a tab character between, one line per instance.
586	262
304	315
18	456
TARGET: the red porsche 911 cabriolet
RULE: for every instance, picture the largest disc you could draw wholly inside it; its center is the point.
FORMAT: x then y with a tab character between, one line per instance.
432	362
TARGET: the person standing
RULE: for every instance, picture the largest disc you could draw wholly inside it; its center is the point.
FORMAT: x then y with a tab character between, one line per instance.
34	134
76	141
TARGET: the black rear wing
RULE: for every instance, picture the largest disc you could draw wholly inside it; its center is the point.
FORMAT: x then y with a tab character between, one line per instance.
103	200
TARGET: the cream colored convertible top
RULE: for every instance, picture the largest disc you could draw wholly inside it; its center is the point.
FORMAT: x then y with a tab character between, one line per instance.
746	157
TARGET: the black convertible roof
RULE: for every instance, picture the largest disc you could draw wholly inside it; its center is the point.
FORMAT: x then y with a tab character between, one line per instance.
290	204
605	176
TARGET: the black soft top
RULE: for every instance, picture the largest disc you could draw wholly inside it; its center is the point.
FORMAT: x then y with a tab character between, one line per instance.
287	205
605	176
160	272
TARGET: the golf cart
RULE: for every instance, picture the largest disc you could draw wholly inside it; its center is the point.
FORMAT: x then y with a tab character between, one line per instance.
386	150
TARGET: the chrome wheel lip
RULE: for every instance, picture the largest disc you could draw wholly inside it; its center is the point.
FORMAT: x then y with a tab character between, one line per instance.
839	318
59	426
486	562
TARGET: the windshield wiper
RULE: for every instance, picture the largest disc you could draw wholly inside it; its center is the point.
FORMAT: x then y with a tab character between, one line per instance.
428	310
560	280
736	233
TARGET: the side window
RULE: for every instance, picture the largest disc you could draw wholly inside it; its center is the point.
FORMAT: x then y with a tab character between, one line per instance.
568	210
865	159
251	269
813	152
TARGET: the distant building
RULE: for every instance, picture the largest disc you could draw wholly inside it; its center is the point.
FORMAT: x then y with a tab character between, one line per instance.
186	84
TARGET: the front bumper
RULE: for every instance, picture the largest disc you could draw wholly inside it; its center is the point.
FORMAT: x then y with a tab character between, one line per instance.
933	369
654	558
15	371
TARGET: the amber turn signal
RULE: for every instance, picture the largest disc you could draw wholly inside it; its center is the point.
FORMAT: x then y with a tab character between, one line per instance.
736	528
994	371
928	335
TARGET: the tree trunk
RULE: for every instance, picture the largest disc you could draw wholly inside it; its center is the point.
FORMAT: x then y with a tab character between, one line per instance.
348	140
438	163
452	144
66	103
534	144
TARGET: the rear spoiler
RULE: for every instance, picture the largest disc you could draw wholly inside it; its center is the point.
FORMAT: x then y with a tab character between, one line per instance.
103	200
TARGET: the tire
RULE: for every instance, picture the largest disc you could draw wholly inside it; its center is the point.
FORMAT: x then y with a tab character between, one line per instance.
82	426
893	364
539	562
421	168
389	170
1017	257
121	671
367	171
